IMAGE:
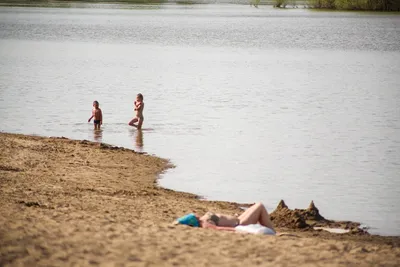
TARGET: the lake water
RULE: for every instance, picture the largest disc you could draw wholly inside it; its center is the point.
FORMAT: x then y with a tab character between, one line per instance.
249	104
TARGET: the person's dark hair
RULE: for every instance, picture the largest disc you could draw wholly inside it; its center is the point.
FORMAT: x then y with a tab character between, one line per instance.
96	102
140	96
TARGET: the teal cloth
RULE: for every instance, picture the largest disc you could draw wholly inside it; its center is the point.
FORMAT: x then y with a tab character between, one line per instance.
189	219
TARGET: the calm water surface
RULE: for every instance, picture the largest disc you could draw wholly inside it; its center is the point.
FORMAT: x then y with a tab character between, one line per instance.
249	104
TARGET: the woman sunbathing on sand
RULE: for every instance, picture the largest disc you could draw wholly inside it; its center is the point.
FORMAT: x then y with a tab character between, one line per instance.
257	213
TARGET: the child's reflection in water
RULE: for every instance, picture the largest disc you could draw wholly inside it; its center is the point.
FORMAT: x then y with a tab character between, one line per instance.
139	140
98	135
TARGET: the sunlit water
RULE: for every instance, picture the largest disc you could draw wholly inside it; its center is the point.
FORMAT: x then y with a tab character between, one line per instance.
249	104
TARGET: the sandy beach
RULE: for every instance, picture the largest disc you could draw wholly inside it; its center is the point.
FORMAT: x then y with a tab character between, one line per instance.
76	203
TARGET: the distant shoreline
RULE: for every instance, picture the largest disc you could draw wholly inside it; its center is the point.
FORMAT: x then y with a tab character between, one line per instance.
279	4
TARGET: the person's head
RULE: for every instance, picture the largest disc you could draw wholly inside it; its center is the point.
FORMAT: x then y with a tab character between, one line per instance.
189	219
139	97
96	104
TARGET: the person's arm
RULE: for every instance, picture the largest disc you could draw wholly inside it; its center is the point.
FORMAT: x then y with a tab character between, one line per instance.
138	107
225	228
101	117
213	226
90	118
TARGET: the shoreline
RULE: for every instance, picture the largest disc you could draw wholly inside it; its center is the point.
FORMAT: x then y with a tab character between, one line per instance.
288	224
67	201
354	227
81	4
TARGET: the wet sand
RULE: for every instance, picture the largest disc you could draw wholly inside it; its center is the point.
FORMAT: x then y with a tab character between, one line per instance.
76	203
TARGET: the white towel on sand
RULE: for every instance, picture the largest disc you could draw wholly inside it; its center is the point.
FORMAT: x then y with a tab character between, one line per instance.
255	229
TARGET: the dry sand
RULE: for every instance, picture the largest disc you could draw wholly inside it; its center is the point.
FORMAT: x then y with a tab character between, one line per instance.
76	203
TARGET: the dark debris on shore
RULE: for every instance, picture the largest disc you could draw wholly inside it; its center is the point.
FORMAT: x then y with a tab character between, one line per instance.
307	219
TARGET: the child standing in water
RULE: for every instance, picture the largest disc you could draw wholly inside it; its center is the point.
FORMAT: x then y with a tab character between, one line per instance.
97	115
138	108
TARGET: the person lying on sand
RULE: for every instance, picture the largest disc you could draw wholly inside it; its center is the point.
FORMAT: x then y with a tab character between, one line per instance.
257	213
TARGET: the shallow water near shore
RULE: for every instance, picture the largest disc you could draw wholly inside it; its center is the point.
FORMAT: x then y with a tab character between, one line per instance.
249	104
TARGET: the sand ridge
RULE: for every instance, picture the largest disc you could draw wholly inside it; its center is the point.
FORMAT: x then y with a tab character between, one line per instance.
76	203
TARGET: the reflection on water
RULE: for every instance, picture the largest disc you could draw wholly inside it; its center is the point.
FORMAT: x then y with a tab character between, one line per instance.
137	136
139	140
98	135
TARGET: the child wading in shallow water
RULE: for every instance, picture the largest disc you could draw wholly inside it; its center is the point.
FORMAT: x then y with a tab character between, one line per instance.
97	115
138	108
